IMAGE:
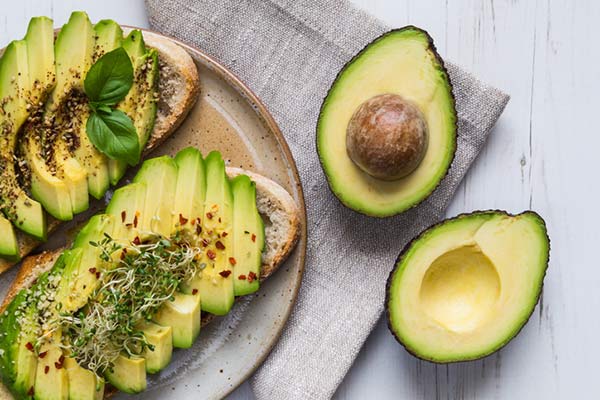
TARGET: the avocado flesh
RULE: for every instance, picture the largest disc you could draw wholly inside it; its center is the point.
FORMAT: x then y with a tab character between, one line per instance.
128	374
108	36
18	363
84	273
161	338
190	190
402	62
51	382
83	383
160	174
248	237
52	192
126	206
103	40
182	314
9	247
465	287
140	102
24	212
67	106
214	282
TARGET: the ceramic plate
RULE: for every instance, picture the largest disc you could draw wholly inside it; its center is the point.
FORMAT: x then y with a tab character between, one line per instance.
228	117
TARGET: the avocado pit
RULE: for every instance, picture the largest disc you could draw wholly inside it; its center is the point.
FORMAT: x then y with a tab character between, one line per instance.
387	137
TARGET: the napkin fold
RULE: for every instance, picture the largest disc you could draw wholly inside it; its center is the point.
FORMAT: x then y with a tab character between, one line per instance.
289	52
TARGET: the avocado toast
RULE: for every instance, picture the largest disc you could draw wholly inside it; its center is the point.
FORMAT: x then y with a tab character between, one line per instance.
67	291
50	191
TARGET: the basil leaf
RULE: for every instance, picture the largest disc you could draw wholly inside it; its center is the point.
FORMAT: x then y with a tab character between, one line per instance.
114	135
108	81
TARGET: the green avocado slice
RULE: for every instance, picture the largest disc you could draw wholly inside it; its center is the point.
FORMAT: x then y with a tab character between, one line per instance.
402	62
83	383
24	212
140	104
161	340
190	190
67	106
465	287
182	314
128	374
214	282
18	331
248	237
159	173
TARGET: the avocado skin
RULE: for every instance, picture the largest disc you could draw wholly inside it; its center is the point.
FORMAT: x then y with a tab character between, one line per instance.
414	352
442	66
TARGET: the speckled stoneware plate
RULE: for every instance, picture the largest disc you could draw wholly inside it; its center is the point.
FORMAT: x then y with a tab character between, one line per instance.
228	117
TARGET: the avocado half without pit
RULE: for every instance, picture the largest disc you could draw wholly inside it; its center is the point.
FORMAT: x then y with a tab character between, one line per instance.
386	134
465	287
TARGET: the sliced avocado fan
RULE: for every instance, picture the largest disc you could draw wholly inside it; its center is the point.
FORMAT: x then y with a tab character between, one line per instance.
194	212
465	287
47	160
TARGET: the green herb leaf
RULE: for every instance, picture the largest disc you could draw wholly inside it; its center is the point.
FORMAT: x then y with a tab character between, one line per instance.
108	81
114	135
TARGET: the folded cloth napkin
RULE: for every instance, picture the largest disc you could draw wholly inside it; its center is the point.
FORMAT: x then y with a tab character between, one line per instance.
289	52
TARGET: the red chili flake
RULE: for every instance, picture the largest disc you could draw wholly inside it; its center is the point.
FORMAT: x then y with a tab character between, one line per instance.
219	245
182	220
205	242
58	365
193	222
251	277
198	229
43	354
194	291
219	219
29	346
92	270
61	359
209	215
224	234
232	261
98	275
128	225
242	277
135	219
123	216
46	369
253	237
30	392
211	254
137	240
123	255
198	221
225	273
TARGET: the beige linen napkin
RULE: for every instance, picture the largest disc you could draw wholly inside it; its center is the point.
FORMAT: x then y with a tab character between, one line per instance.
289	52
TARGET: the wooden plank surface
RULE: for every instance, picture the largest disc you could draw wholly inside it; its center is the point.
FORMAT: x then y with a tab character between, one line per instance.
543	155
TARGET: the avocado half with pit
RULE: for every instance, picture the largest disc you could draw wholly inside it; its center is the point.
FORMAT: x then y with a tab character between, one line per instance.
386	134
465	287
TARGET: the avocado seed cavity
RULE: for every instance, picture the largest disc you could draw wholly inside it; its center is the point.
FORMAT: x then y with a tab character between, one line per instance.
387	137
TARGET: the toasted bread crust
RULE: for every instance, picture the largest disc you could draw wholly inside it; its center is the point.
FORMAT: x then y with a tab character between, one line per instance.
178	93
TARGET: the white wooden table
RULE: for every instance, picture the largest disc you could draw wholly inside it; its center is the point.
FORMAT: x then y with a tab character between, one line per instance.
543	154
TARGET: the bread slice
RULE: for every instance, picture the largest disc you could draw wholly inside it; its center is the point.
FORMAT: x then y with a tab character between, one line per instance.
179	86
278	209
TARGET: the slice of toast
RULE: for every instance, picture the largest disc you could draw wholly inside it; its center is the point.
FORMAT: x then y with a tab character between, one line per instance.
281	218
282	229
179	86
